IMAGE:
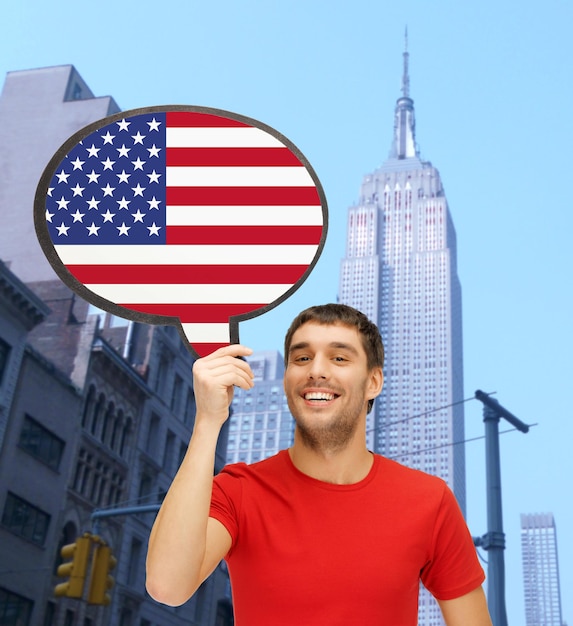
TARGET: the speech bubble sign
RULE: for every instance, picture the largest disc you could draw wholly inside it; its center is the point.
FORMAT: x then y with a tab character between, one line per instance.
181	215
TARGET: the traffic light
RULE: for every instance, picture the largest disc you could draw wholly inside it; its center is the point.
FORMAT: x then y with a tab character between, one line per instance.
75	569
101	580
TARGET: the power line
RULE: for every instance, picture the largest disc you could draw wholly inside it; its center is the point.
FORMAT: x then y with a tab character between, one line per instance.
452	443
407	419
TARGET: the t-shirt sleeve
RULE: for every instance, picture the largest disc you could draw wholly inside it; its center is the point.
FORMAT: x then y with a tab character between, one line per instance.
226	501
453	568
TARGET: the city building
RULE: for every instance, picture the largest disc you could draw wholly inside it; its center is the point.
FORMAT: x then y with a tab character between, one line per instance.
540	570
95	412
400	270
260	423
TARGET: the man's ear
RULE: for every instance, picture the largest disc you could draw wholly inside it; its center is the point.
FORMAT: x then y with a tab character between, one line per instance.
375	384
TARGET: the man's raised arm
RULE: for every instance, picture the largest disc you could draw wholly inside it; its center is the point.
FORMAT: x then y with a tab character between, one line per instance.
186	545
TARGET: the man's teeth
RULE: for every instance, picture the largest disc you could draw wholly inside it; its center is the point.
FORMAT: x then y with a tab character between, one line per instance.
315	395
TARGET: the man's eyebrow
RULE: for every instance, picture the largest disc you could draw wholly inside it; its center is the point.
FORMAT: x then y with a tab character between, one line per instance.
338	345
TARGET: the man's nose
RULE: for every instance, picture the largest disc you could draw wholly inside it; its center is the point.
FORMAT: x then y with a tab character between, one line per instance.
318	368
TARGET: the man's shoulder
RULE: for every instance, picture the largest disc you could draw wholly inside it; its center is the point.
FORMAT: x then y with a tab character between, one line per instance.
270	465
412	478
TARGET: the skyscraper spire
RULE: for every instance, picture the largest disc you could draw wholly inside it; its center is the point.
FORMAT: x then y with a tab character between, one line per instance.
405	75
404	144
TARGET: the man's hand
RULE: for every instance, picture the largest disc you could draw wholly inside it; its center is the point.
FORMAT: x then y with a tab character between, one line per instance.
214	378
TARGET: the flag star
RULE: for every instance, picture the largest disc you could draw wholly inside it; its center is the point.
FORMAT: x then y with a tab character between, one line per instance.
108	164
123	229
138	190
138	164
123	177
138	138
138	217
77	163
123	124
108	216
93	177
78	217
62	177
93	151
108	190
62	229
154	177
123	151
78	191
123	203
108	138
92	204
154	125
92	230
49	216
153	203
50	189
153	229
62	203
154	150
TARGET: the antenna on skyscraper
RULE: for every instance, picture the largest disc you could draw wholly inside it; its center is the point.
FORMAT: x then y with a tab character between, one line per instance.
405	75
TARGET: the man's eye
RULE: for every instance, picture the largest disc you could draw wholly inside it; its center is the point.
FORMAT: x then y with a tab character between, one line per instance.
339	359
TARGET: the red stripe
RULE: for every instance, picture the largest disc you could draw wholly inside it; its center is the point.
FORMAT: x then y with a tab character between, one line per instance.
190	274
228	157
243	235
204	349
242	196
196	313
185	119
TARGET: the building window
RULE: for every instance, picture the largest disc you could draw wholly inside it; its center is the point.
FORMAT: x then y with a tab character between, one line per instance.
25	519
41	443
4	354
14	609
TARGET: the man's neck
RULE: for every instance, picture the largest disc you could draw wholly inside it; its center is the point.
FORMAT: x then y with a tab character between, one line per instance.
341	467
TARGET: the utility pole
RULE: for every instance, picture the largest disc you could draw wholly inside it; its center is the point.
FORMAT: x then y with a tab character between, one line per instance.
494	540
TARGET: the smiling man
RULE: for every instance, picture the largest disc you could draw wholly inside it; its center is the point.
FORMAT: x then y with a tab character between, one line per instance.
324	533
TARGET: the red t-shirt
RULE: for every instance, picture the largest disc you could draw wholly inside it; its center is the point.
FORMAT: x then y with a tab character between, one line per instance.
310	553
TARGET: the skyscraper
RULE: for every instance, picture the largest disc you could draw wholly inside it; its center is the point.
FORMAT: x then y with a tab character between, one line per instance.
261	423
400	270
540	570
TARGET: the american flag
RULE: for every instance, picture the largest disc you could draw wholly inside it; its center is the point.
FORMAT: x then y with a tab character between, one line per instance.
185	213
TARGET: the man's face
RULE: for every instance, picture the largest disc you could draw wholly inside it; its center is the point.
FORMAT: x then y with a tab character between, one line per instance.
328	384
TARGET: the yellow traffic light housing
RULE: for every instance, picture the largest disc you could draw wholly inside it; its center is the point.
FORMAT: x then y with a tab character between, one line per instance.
101	580
75	569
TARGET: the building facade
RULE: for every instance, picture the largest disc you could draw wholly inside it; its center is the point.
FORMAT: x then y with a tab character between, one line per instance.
400	270
540	570
260	423
95	412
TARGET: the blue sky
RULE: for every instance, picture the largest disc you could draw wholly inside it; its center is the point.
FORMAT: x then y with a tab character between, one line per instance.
493	94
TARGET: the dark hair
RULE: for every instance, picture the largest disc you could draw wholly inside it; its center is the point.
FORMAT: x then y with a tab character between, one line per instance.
347	316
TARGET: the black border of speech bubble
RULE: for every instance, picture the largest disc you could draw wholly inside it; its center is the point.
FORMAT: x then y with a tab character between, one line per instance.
146	318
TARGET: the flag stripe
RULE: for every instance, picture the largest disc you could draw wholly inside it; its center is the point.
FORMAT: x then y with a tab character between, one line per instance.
244	215
197	274
244	235
204	349
185	255
220	138
197	313
238	177
271	196
208	332
191	293
217	157
191	118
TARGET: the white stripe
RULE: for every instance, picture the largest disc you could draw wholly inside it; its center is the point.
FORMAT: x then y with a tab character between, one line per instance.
244	216
189	294
247	137
186	255
207	333
238	177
